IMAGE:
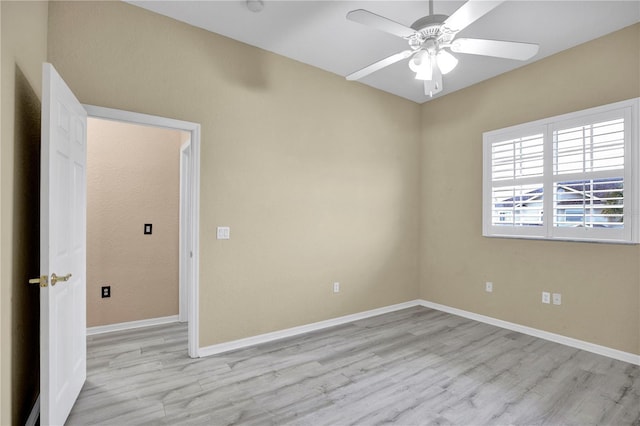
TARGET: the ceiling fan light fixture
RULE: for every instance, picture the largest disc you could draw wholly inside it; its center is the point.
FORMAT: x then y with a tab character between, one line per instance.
446	61
418	60
421	65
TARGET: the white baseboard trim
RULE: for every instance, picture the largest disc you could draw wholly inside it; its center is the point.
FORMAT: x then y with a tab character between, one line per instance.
34	414
557	338
131	324
295	331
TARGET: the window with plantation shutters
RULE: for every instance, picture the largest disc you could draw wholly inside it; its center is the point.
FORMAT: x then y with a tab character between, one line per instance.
572	177
516	175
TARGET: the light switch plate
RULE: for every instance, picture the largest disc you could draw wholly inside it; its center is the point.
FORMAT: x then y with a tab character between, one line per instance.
223	233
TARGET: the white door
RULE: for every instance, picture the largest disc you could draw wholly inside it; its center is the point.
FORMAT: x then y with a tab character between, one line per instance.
63	356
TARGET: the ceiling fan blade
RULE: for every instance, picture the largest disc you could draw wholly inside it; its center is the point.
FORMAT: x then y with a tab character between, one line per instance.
381	23
433	86
496	48
468	13
379	65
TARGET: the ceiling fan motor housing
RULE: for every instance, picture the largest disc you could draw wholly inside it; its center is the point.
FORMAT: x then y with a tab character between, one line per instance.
429	25
430	28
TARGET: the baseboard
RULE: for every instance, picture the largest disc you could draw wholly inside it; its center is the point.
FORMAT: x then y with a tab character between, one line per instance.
34	414
131	324
557	338
295	331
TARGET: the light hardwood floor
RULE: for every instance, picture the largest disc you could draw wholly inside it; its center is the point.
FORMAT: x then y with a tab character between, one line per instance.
412	367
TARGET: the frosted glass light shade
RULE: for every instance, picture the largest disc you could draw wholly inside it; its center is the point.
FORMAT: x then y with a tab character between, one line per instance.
421	65
446	61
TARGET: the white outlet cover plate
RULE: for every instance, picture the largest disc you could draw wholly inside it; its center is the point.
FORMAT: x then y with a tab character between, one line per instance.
223	233
488	286
546	297
557	299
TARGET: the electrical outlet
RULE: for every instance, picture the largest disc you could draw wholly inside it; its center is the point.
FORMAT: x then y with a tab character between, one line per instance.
336	287
223	233
557	299
546	297
488	286
106	291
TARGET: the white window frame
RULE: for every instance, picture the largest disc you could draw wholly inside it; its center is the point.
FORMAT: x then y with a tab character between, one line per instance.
629	234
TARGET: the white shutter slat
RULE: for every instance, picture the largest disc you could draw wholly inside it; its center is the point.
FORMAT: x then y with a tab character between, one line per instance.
590	147
517	158
594	203
519	205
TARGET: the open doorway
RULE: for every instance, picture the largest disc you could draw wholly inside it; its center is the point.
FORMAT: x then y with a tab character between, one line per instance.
149	216
133	218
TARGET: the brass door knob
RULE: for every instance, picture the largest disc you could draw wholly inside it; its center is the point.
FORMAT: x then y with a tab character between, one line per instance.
55	278
42	281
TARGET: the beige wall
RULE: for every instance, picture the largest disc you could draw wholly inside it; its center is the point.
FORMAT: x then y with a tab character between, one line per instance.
316	176
24	47
319	178
133	178
600	283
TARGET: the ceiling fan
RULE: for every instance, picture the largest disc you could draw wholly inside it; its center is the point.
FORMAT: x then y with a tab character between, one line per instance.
431	35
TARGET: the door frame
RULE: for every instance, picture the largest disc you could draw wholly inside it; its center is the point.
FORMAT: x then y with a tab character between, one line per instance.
190	221
186	254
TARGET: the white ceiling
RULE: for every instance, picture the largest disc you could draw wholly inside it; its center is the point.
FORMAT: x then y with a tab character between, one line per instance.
317	32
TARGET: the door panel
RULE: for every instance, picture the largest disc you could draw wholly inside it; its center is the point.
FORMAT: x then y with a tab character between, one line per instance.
62	249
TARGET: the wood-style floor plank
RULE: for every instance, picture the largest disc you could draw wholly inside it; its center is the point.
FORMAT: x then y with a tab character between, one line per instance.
417	366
